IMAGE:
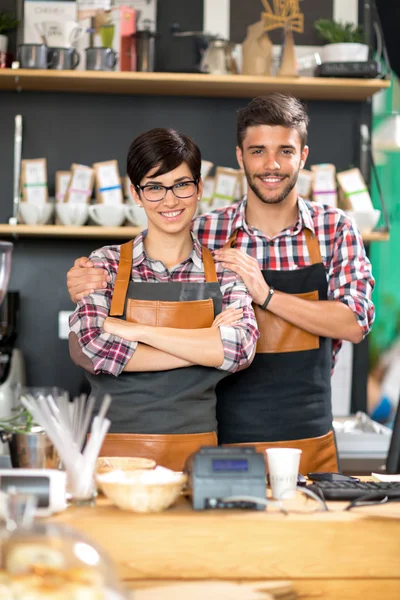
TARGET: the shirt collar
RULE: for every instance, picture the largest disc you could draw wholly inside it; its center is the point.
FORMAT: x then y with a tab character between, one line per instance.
305	216
139	253
304	221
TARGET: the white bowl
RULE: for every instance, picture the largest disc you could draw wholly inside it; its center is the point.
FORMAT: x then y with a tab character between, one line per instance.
142	490
31	214
108	215
365	220
72	214
136	215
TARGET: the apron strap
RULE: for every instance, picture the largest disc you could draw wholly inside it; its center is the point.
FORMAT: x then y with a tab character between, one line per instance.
311	241
232	241
209	266
313	247
123	278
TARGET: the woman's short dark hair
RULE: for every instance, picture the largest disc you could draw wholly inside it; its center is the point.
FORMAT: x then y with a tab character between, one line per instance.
273	109
162	148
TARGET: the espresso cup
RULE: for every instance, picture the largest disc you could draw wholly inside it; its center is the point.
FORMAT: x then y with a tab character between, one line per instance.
63	58
33	56
32	214
100	59
136	215
108	215
72	214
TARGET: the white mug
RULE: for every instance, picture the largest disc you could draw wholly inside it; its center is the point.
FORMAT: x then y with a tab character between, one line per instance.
136	215
32	214
108	215
72	214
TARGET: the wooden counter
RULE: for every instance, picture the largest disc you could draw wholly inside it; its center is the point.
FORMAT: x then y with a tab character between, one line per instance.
333	555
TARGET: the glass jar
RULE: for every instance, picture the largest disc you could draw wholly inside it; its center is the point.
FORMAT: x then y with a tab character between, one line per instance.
49	560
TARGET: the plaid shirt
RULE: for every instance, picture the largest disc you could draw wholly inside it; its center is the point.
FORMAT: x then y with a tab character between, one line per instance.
109	353
348	270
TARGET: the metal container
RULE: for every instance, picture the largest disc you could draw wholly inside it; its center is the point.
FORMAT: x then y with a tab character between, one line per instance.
31	450
145	50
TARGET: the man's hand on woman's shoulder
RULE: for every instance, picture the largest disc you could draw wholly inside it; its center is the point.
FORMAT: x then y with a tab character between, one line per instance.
83	279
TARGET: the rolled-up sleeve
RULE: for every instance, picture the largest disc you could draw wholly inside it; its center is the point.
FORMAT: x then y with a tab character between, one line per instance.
108	353
350	275
239	341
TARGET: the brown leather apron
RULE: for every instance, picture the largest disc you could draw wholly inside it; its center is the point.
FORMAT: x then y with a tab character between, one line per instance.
168	451
163	415
284	398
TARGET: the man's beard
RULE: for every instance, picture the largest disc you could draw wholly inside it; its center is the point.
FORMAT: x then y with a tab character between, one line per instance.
290	183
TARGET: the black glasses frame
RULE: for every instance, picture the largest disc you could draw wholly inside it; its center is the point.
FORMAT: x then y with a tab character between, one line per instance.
167	188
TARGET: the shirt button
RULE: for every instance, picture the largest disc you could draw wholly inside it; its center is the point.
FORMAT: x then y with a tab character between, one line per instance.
271	243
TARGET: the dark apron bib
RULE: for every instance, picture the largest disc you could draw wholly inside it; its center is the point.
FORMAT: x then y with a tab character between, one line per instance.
177	401
285	394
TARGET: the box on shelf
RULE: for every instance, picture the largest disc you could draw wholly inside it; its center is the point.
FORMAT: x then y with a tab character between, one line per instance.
62	182
354	192
324	184
226	185
34	181
108	183
304	184
38	11
80	187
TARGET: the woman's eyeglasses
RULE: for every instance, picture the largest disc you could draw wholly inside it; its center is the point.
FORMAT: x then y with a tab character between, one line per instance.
155	193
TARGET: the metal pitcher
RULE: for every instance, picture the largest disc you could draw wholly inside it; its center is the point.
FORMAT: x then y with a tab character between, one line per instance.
218	58
31	450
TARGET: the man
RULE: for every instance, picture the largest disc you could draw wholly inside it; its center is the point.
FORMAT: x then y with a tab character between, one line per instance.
305	266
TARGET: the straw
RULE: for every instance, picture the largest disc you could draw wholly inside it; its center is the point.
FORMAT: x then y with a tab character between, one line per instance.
67	427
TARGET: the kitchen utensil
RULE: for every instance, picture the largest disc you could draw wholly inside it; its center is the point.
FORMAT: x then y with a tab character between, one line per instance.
33	56
32	214
72	214
108	215
63	58
218	58
143	490
31	449
100	59
187	50
145	48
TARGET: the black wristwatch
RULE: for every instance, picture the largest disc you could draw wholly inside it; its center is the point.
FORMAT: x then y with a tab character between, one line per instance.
268	298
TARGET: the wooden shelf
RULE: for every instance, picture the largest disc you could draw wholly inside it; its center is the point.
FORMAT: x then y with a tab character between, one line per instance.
96	231
86	231
188	84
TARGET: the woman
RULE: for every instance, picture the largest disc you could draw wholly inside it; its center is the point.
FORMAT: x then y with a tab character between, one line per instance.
156	338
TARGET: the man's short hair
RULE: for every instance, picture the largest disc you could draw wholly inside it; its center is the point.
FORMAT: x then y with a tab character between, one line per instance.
273	109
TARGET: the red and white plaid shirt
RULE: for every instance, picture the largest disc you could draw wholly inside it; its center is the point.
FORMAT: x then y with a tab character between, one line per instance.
348	270
109	353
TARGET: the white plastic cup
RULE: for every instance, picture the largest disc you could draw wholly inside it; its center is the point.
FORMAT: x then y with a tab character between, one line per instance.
283	467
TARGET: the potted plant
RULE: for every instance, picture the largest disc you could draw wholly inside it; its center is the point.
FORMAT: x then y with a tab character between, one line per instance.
344	41
7	23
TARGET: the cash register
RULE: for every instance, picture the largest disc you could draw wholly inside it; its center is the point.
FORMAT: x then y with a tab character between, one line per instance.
220	477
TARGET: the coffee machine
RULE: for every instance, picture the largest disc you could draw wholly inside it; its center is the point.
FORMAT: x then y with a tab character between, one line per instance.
12	369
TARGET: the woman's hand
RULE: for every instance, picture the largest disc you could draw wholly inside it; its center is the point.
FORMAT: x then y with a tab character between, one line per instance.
123	329
228	317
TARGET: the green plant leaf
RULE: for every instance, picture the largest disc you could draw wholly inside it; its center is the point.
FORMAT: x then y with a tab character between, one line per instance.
336	32
7	22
